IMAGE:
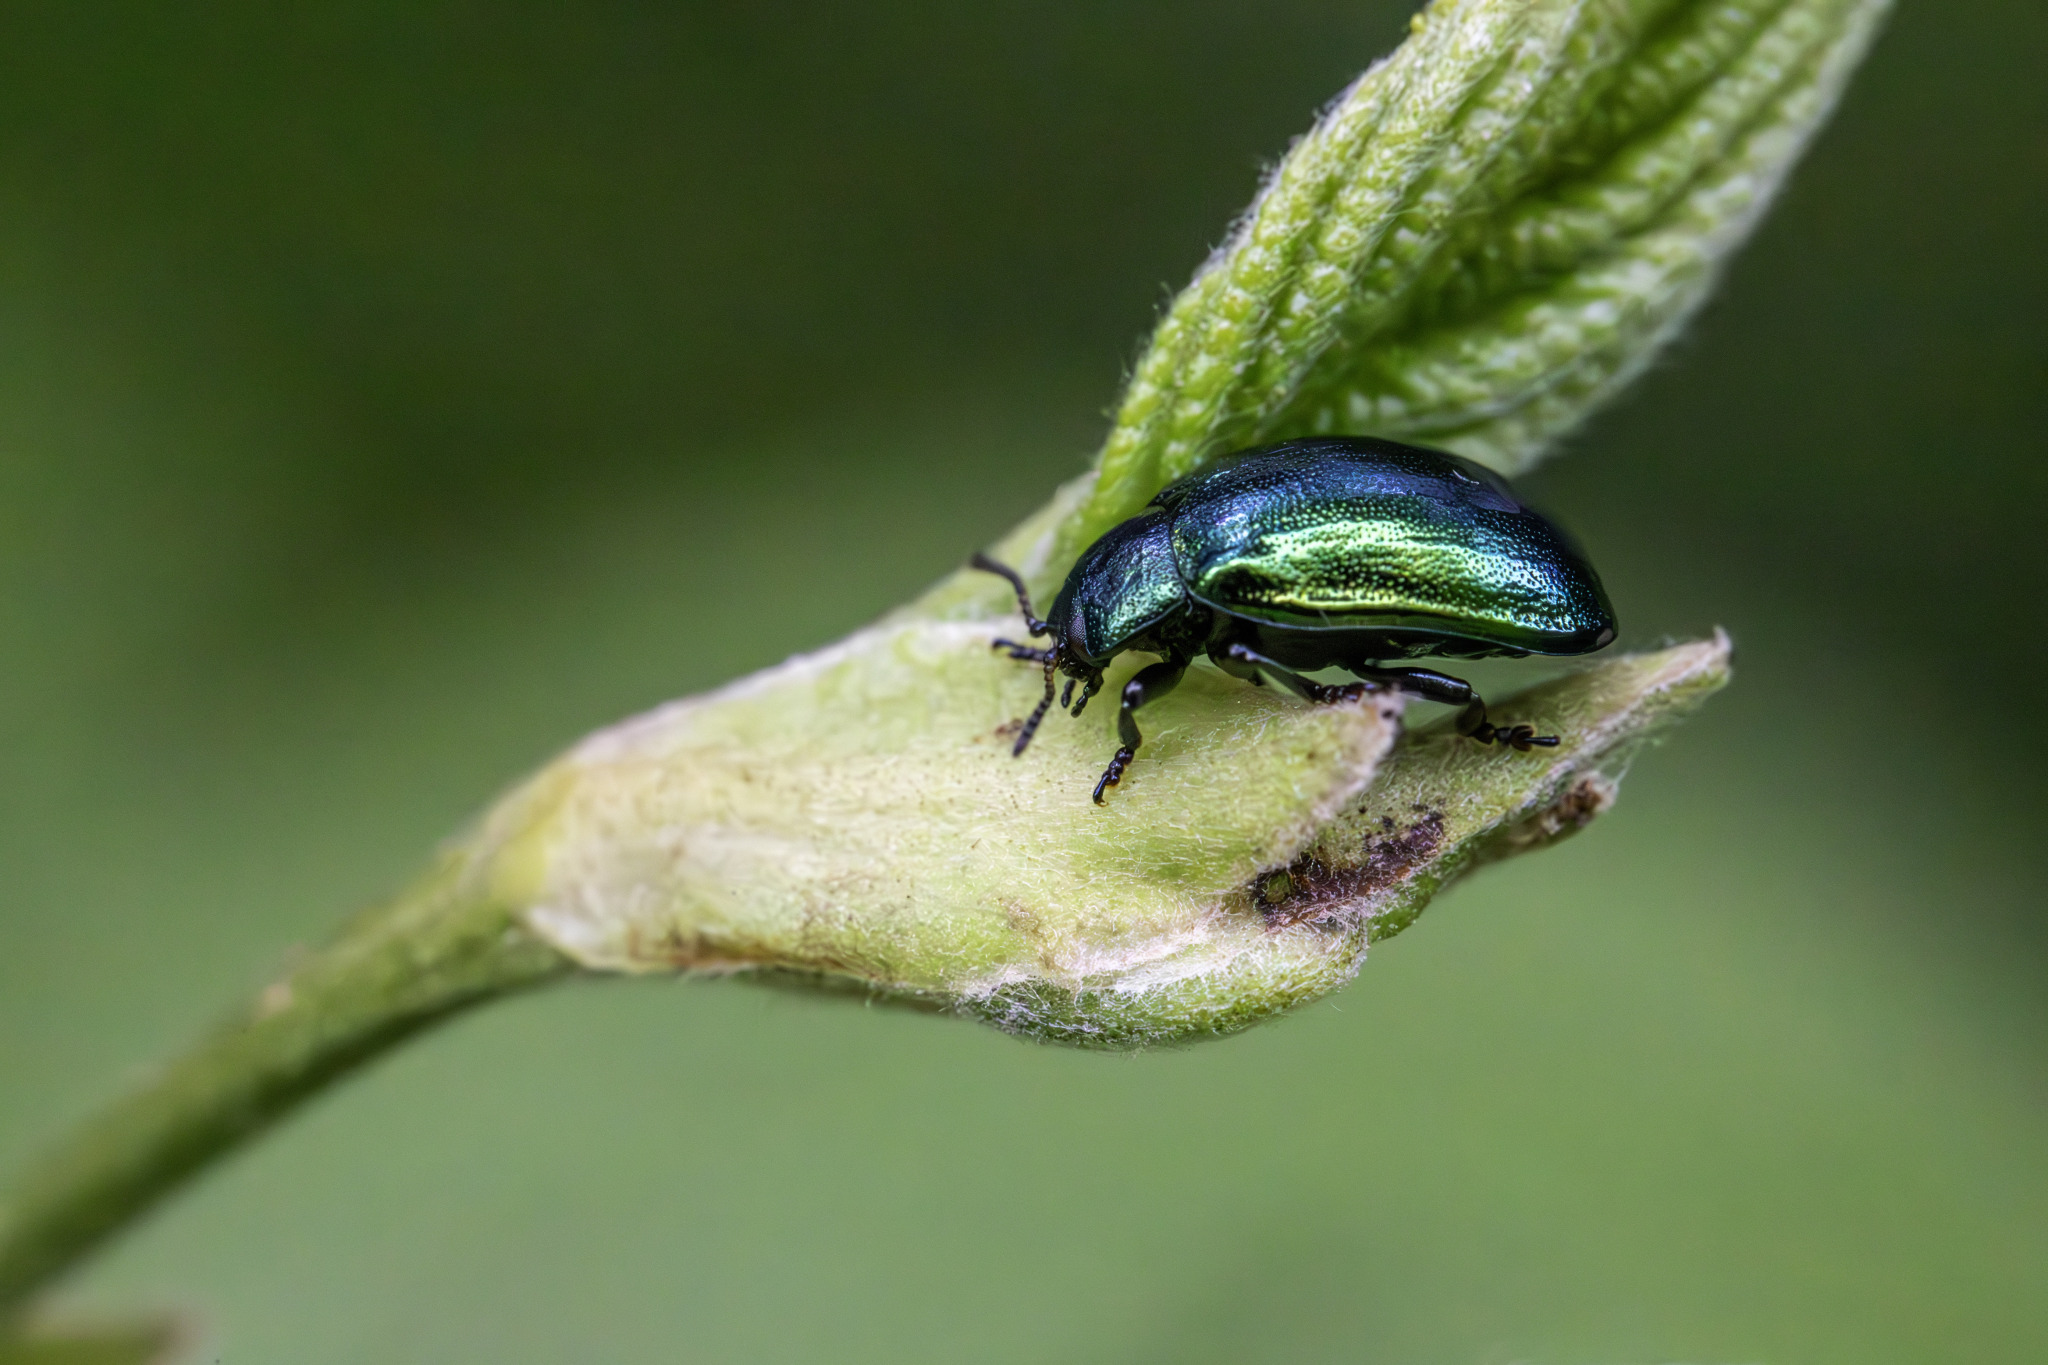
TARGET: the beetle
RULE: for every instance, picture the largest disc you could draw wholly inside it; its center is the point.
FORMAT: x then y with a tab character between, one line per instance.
1331	552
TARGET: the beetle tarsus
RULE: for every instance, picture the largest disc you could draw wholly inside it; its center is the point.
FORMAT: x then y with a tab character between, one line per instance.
1094	685
1031	621
1520	738
1113	774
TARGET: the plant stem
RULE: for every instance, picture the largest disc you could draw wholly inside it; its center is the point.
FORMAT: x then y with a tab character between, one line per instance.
445	944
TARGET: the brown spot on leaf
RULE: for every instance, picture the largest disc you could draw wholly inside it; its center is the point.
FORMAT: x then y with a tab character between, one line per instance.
1574	809
1275	887
1320	890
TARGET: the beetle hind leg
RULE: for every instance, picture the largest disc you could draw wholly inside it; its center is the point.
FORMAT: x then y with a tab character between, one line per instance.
1472	720
1241	661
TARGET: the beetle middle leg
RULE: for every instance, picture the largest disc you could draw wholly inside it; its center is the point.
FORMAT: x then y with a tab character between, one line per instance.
1472	722
1149	684
1241	661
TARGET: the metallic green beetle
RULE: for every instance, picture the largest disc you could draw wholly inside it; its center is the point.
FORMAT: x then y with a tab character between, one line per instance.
1337	552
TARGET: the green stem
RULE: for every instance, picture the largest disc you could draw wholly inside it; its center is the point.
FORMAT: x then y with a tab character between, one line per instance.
445	944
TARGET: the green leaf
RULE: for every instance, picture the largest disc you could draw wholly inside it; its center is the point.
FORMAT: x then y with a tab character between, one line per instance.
1486	236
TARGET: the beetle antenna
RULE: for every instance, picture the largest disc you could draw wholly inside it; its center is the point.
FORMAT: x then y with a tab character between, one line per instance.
1031	621
1052	659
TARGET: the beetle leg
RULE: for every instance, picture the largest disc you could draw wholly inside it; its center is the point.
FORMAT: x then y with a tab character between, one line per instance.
1031	621
1472	722
1149	684
1017	651
1240	661
1052	660
1094	685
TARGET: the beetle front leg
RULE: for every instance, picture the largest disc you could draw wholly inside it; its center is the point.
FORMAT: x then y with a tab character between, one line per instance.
1241	661
1149	684
1472	722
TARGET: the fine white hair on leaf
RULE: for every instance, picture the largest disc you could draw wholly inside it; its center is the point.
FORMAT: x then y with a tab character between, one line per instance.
856	816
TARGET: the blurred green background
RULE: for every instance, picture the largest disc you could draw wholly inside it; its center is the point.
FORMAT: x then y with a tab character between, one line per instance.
390	393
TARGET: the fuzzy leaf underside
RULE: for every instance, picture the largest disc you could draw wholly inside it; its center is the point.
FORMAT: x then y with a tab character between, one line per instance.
855	817
859	811
1438	807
